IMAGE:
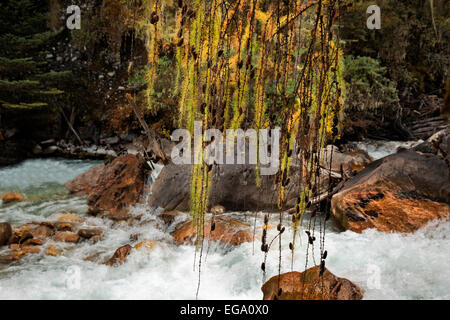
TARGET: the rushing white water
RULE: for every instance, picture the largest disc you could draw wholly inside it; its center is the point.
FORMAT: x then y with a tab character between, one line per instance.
386	266
380	149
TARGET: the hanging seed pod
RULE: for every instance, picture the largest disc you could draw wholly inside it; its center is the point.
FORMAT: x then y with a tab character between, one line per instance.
220	53
279	227
210	167
154	18
280	291
264	247
252	74
248	62
194	54
213	226
282	230
335	132
325	255
263	267
322	267
291	246
266	219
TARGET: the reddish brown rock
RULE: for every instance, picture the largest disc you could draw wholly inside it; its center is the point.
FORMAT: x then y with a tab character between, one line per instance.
11	197
120	256
114	187
63	226
89	233
5	233
400	193
87	182
42	232
226	231
33	242
53	251
67	237
308	286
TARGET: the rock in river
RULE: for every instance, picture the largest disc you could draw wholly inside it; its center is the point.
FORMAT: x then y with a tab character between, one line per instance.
5	233
113	187
401	192
307	285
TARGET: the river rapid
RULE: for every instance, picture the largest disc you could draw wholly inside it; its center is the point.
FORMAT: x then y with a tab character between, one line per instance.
385	266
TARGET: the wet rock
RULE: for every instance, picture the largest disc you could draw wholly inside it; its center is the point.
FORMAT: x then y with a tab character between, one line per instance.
28	250
65	217
11	197
42	232
401	192
169	216
120	256
225	230
146	245
5	233
33	242
96	239
53	251
351	162
308	286
89	233
113	187
218	209
63	226
234	187
14	246
69	237
85	183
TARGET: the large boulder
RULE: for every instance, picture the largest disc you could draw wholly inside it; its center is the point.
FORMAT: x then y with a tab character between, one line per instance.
113	187
5	233
233	186
308	285
401	192
226	230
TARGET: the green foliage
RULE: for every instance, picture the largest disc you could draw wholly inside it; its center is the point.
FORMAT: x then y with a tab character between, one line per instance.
367	87
25	81
413	42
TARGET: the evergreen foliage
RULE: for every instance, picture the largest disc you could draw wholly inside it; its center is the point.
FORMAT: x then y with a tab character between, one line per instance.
25	79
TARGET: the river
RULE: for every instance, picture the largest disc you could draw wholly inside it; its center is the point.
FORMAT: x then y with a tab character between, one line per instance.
385	266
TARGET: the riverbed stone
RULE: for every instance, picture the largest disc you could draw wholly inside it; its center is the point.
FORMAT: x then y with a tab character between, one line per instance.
5	233
89	233
69	237
226	231
119	256
400	193
11	197
307	285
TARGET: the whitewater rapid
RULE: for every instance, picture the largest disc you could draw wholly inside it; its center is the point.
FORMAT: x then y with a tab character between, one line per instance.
385	266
